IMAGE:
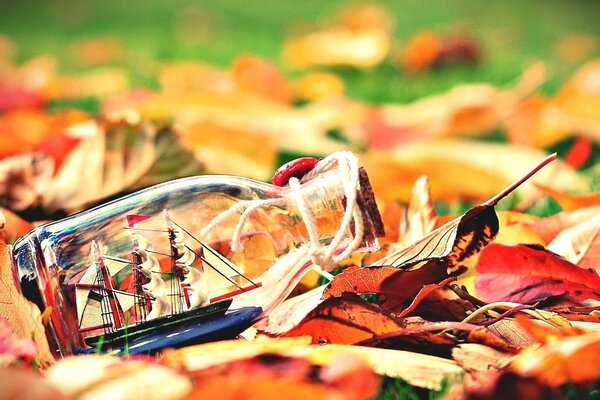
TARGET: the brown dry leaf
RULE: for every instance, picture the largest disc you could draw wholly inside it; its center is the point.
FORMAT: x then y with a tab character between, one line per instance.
461	170
395	287
580	244
361	48
44	132
181	77
23	316
13	227
509	330
33	75
427	50
406	224
461	238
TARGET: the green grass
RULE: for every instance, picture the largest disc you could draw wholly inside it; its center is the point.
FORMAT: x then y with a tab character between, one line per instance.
513	32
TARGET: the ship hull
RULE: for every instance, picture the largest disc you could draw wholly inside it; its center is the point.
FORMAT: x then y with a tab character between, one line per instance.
125	335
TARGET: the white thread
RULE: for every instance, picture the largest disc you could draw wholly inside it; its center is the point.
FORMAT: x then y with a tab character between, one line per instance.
321	255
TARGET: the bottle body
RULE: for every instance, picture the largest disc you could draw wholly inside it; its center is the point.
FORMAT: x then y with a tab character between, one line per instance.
148	255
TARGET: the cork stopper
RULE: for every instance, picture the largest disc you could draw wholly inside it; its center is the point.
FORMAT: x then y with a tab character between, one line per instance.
367	203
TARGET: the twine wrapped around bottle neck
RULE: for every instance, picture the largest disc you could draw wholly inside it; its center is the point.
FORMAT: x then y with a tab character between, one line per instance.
322	255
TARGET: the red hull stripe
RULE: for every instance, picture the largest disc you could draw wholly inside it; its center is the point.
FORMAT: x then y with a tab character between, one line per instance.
236	292
88	286
93	328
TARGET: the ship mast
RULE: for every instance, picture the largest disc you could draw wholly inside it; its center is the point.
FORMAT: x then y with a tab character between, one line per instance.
178	293
106	283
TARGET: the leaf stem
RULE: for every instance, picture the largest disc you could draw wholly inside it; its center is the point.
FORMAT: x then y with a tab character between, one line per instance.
507	305
494	200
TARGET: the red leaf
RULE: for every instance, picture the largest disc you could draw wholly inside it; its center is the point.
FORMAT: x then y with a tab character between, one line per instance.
346	320
529	274
395	286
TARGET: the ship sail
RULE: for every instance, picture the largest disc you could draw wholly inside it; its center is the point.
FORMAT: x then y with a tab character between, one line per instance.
92	294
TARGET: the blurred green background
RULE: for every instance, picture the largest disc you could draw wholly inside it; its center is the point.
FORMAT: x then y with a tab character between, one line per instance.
512	34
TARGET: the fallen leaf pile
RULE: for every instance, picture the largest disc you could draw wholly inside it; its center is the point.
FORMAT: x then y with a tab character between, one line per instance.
487	281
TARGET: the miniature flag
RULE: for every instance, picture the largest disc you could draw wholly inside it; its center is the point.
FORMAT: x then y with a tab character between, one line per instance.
134	219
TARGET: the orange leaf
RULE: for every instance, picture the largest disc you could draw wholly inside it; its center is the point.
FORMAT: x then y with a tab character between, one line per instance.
394	286
569	201
345	320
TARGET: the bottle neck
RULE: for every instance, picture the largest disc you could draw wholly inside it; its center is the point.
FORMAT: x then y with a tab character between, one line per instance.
322	213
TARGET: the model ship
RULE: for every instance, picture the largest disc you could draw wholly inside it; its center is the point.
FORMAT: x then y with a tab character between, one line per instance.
155	299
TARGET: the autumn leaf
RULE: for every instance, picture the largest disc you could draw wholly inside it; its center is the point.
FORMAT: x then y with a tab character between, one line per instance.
461	238
117	378
114	157
338	46
394	287
549	227
24	179
580	244
478	357
417	369
405	224
345	320
461	169
276	376
570	201
25	385
465	110
529	274
24	317
569	359
440	334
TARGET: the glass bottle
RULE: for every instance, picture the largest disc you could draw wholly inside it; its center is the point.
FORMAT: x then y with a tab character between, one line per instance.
156	268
